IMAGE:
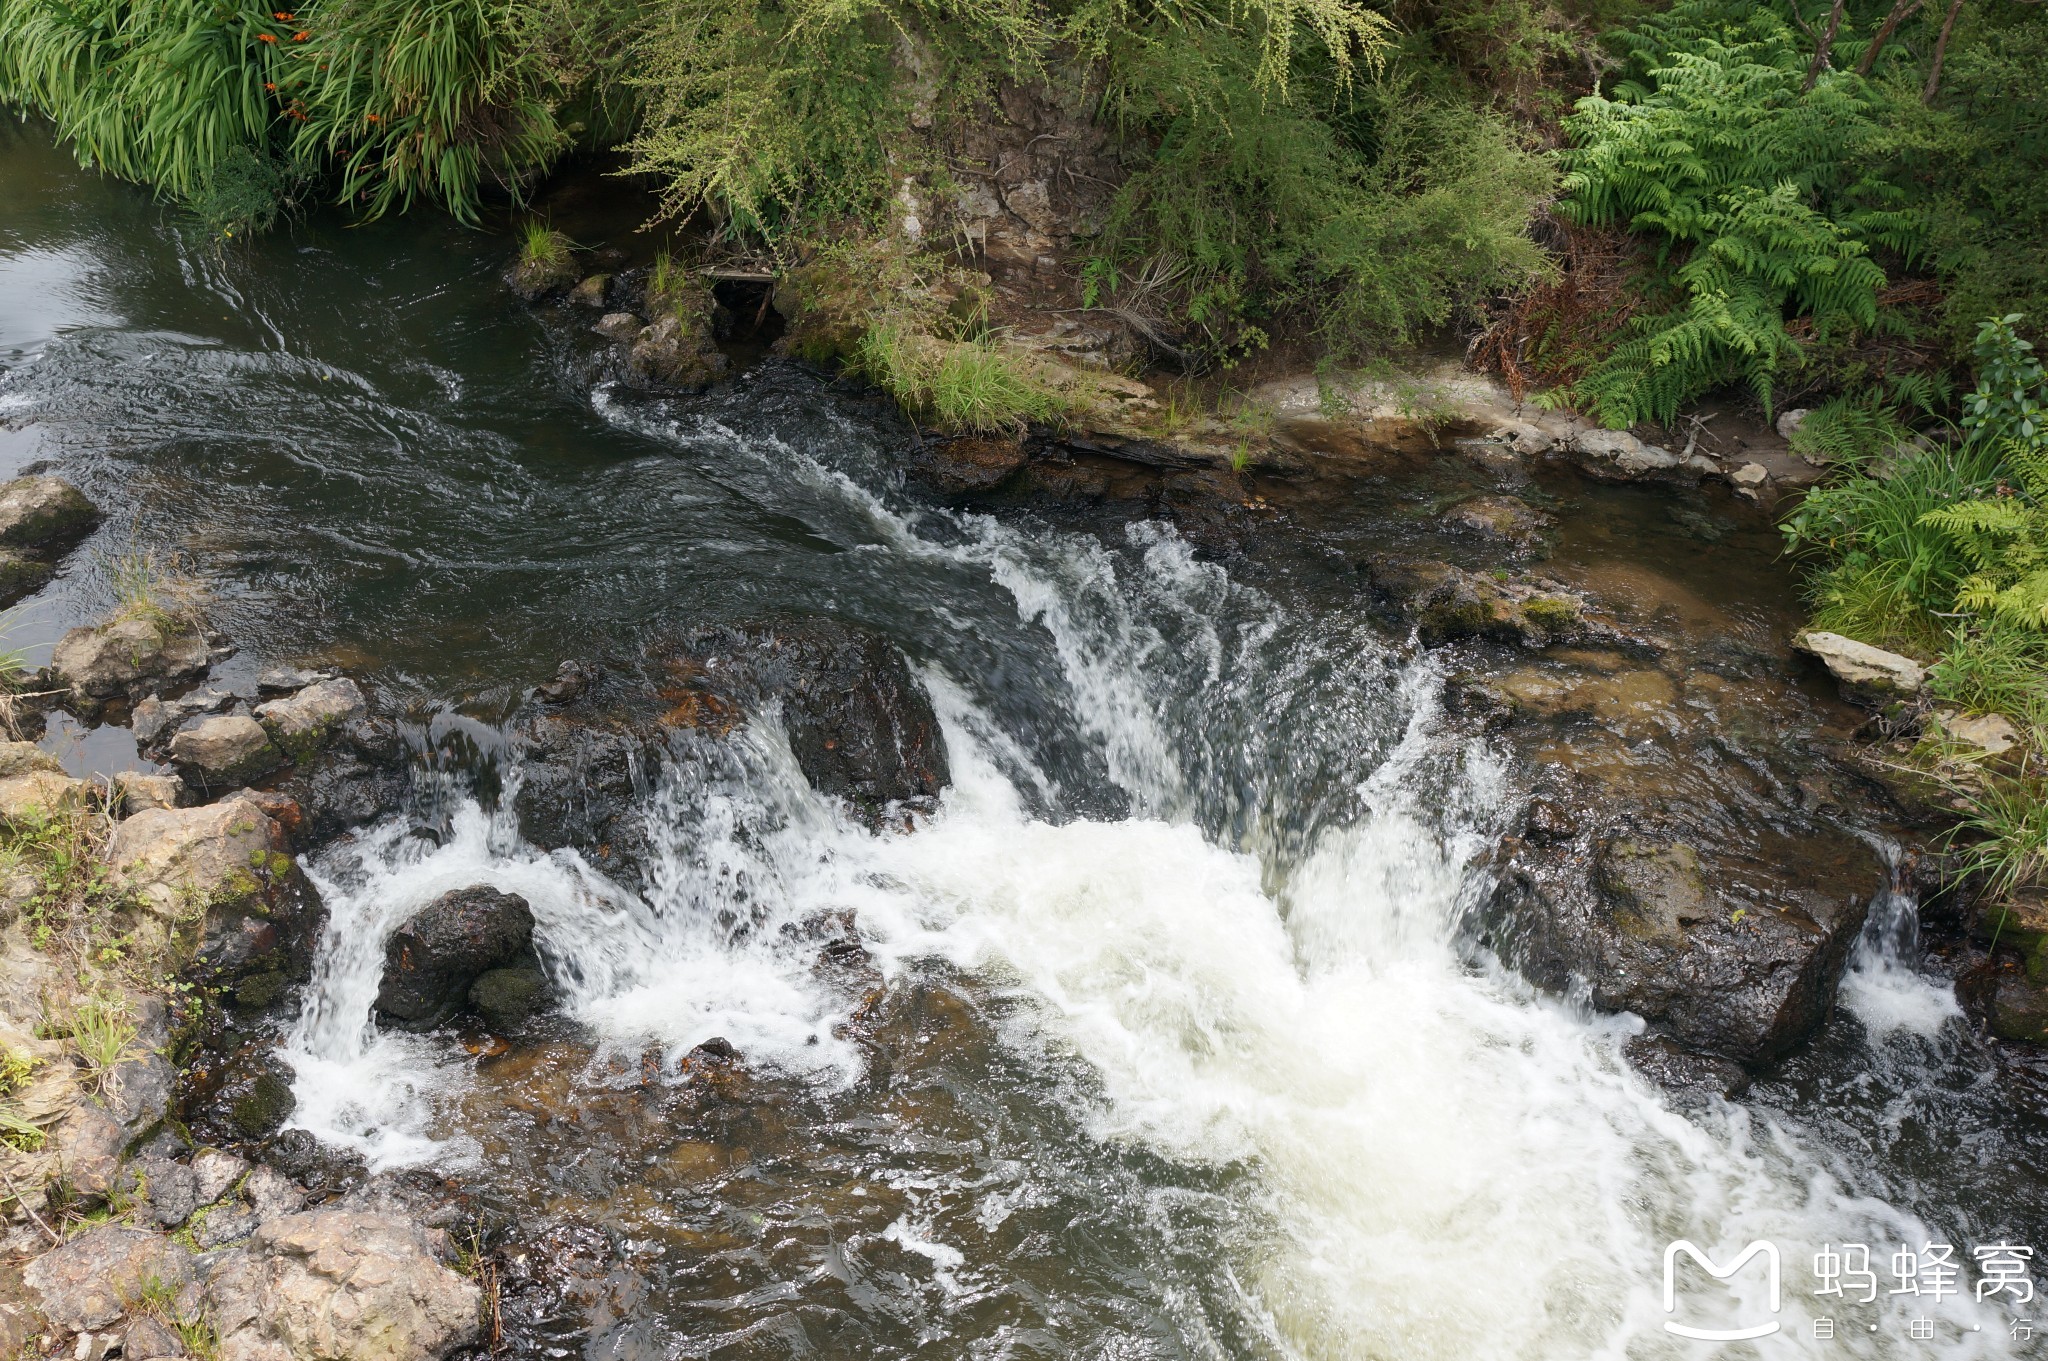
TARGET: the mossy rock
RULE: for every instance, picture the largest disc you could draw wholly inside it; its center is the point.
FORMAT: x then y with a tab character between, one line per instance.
510	997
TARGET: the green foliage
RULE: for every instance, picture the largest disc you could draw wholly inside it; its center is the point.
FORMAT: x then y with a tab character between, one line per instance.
543	246
1750	183
1851	430
102	1031
2011	398
225	107
1373	209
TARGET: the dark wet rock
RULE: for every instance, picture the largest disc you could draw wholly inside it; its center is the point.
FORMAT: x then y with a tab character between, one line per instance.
1730	956
302	723
364	774
1550	821
1502	519
970	463
1690	1079
571	679
304	1161
859	724
508	998
2019	1011
249	1097
224	752
21	575
432	962
537	280
676	352
126	659
1446	603
37	511
88	1283
342	1284
216	892
717	1049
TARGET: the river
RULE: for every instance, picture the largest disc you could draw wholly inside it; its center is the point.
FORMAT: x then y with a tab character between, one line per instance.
1184	1046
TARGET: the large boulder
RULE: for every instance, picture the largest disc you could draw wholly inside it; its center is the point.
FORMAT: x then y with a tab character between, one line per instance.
37	796
1733	956
1866	674
303	723
224	752
432	962
337	1284
89	1282
42	510
127	658
217	892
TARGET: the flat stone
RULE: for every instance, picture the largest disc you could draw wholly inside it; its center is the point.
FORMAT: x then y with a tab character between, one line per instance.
38	510
1505	519
1617	455
149	1340
1987	734
89	1143
86	1284
225	751
1866	674
214	1174
1750	475
303	723
1790	421
283	680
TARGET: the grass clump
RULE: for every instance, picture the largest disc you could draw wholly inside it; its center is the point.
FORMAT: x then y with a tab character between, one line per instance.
961	386
541	246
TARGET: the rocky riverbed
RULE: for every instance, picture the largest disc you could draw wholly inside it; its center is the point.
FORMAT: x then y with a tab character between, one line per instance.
790	876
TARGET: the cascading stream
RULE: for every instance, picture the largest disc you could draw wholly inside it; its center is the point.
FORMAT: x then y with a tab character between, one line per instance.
1435	1161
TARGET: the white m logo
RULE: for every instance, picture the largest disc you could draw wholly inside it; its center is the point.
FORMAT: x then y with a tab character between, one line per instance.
1769	1252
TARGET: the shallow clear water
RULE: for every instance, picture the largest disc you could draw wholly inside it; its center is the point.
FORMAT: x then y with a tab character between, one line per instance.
1178	1045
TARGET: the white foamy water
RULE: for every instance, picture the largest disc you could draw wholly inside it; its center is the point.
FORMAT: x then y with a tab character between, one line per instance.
1440	1163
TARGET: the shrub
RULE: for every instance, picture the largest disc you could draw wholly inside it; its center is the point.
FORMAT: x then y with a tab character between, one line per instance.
969	385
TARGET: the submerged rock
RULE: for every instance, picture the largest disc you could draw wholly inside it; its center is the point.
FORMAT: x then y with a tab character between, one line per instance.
1504	519
1446	603
434	960
342	1284
35	511
1730	957
1867	675
224	752
21	575
127	658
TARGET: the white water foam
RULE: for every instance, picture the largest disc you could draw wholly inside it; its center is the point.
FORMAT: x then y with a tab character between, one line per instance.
1447	1164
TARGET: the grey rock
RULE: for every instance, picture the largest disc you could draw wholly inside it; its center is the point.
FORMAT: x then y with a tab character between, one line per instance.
173	1190
86	1283
282	680
338	1284
272	1194
1866	674
127	658
137	1092
303	723
224	1224
26	758
214	1174
1616	455
40	510
39	795
89	1144
432	961
1504	519
225	751
590	292
618	326
149	1340
136	792
673	353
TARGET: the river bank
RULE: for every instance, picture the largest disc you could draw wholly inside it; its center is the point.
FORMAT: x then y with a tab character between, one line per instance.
1180	999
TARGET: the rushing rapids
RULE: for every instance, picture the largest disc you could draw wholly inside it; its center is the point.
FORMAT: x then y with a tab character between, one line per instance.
1171	1032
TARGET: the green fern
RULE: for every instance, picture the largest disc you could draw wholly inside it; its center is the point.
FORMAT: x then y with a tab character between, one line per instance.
1716	148
2004	539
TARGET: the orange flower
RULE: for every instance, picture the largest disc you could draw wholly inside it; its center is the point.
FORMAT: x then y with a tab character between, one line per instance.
282	16
270	85
266	37
372	117
301	35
